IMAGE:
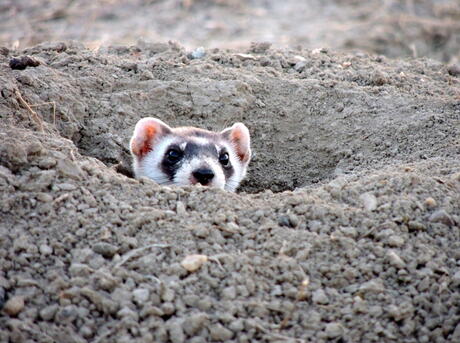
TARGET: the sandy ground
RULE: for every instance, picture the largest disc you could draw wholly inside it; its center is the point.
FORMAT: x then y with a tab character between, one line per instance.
345	230
395	28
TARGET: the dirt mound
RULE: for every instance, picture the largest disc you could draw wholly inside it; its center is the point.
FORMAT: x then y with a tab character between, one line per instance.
362	245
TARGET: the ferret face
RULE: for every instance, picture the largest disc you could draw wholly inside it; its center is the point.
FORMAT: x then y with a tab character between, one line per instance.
187	156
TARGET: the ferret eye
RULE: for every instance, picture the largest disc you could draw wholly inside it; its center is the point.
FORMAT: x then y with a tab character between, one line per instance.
173	155
224	159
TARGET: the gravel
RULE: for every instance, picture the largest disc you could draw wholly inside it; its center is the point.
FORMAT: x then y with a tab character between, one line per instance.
361	199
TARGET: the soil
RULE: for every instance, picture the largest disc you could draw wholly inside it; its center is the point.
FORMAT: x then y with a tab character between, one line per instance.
345	230
395	28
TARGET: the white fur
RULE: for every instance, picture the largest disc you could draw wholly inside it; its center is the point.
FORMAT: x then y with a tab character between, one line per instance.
149	165
239	170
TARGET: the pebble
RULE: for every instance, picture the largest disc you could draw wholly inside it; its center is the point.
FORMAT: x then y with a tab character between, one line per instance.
349	231
180	208
320	297
14	305
197	53
21	63
220	333
245	57
79	269
176	333
456	279
4	51
45	249
395	260
300	66
48	312
454	69
229	293
105	249
193	262
334	330
441	216
141	295
372	286
194	323
126	312
430	202
168	308
395	241
369	201
168	294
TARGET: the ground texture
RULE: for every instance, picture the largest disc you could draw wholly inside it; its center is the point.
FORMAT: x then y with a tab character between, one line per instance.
346	229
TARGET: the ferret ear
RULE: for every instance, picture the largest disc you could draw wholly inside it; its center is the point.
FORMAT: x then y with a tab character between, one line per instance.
238	135
146	132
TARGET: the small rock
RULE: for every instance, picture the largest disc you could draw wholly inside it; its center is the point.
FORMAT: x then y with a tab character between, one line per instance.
105	249
378	78
168	308
79	269
66	314
334	330
415	225
48	312
201	232
21	63
319	51
180	208
197	53
372	286
194	323
320	297
126	312
245	57
395	241
193	262
369	201
176	333
454	69
168	294
349	231
220	333
430	202
67	187
4	51
14	305
141	295
300	66
456	279
395	260
441	216
45	249
103	304
229	293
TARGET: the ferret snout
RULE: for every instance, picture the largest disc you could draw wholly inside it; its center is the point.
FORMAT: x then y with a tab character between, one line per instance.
203	176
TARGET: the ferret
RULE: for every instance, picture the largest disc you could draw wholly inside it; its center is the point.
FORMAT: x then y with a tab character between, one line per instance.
189	156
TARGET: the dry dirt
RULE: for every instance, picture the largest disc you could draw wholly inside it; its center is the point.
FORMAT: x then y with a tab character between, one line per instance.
347	228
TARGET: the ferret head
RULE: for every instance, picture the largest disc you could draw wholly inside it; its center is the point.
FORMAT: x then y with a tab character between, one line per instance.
187	155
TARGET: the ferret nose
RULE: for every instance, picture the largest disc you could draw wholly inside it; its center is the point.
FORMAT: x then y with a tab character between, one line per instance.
203	175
